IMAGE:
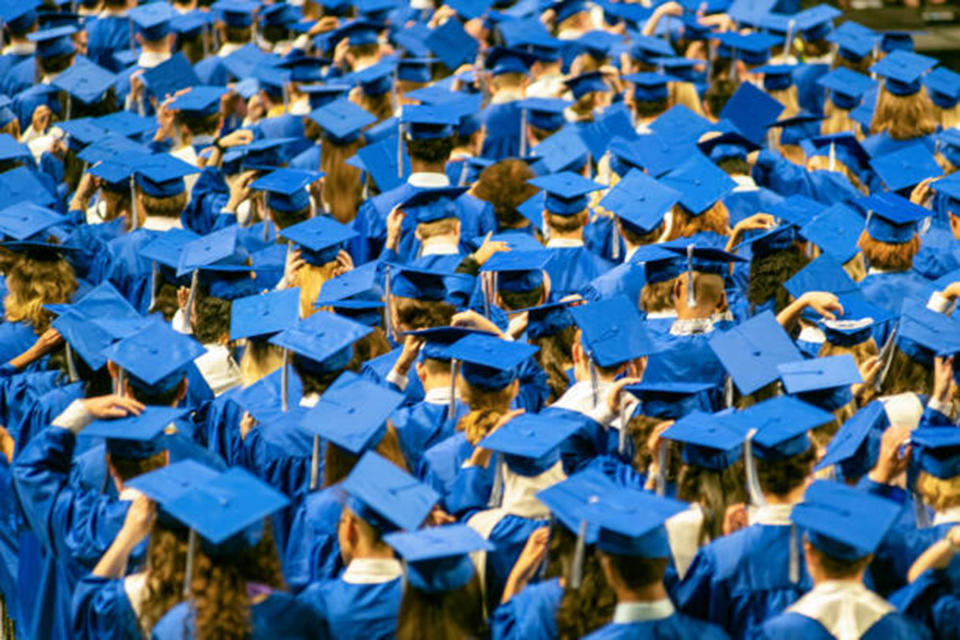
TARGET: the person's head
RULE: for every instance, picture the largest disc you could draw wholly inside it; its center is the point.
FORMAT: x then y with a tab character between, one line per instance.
160	206
903	117
588	606
889	256
782	477
357	537
709	295
260	359
632	573
36	279
768	272
430	151
685	223
823	567
342	188
505	186
714	490
166	566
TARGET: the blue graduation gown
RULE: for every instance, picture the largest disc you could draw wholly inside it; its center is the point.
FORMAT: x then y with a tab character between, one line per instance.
684	358
440	463
530	614
572	268
502	122
623	279
810	95
794	626
740	580
376	370
367	611
105	37
422	425
312	553
675	626
932	600
939	254
889	290
15	338
881	144
785	178
508	538
279	616
11	524
101	610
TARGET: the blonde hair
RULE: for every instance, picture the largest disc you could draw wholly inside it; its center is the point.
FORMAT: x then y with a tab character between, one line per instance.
260	359
342	187
903	117
310	279
685	93
856	267
839	121
685	224
939	493
33	283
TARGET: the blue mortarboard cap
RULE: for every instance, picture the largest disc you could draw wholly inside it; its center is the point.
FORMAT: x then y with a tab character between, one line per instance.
640	201
906	167
752	111
85	81
949	185
846	148
782	424
231	503
518	270
842	522
893	41
20	221
858	322
418	70
427	284
470	9
795	129
438	558
752	48
323	94
685	69
902	71
597	43
126	124
943	86
199	101
750	12
816	23
565	150
846	86
925	334
428	122
324	340
359	32
700	182
53	42
725	141
156	356
649	48
319	239
856	445
751	351
854	41
659	265
937	451
165	248
567	499
152	21
452	44
360	283
168	483
19	15
680	124
777	77
264	314
631	522
353	415
612	331
287	188
586	83
243	62
701	257
265	154
649	86
170	76
279	15
386	496
796	210
429	204
489	362
502	60
656	153
819	374
708	440
566	8
530	443
671	400
437	340
190	24
135	436
161	175
826	273
548	319
21	185
892	218
566	192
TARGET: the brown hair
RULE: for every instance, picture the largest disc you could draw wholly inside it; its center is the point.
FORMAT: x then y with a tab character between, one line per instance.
565	224
856	267
338	462
714	491
165	573
589	607
219	588
657	296
585	105
685	224
166	207
769	272
861	352
412	313
504	185
888	256
939	493
311	278
486	408
780	477
685	93
906	375
342	187
33	283
637	572
443	227
836	569
903	117
638	239
450	615
555	357
130	468
368	347
260	359
862	66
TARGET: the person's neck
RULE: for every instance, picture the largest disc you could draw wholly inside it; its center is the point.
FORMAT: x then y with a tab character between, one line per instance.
795	496
693	313
820	577
157	46
581	371
19	40
568	235
367	551
435	381
450	239
648	593
419	166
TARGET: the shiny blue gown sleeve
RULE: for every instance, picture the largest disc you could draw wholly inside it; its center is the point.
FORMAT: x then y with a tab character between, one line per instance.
101	610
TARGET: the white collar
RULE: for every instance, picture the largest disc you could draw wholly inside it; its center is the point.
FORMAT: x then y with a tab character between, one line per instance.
438	395
810	333
627	612
128	494
777	515
310	400
151	59
579	397
666	314
507	95
947	516
691	326
439	249
162	223
744	183
20	49
428	179
227	48
846	608
203	140
629	254
372	570
564	243
873	271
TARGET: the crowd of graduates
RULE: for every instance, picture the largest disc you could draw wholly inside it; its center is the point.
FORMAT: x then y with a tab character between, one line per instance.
483	319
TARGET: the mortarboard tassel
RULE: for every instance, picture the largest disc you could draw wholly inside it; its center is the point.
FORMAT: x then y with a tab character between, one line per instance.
134	218
691	294
118	382
791	25
733	65
452	403
886	357
315	464
920	513
154	277
661	487
579	551
794	566
523	132
69	106
485	286
192	298
728	392
285	381
388	309
615	233
400	151
622	443
462	180
833	156
191	554
594	380
496	493
71	365
753	482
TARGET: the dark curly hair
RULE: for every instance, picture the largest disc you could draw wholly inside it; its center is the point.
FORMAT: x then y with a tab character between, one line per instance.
504	185
780	477
588	608
769	272
432	151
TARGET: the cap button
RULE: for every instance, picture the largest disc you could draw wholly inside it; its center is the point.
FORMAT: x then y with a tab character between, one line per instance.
352	410
697	181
